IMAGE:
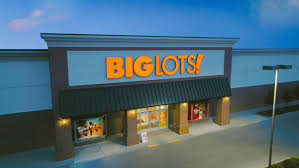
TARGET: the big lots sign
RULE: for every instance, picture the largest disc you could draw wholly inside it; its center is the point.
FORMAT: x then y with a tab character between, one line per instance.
143	66
103	67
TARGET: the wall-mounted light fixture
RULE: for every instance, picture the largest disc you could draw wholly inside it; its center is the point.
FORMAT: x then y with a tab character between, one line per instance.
184	104
131	112
226	98
62	122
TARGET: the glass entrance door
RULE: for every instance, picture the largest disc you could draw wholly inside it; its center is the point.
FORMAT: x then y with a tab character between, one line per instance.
142	121
163	119
152	118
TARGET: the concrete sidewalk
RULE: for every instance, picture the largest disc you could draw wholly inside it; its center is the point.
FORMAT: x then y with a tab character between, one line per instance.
112	146
236	147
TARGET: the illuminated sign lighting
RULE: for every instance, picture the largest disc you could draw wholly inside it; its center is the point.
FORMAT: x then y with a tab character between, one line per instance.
143	66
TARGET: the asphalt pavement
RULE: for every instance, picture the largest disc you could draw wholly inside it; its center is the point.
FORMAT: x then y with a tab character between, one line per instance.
244	143
239	147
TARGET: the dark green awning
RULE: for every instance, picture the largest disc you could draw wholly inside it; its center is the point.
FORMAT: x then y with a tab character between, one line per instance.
82	102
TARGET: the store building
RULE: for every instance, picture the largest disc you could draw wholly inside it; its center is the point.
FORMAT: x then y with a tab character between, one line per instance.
149	81
84	88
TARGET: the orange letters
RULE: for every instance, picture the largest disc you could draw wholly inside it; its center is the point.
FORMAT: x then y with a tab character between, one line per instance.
176	65
191	63
198	62
182	58
129	68
158	73
114	67
143	66
147	68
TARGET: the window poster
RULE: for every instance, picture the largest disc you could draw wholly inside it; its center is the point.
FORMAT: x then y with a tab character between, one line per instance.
163	119
88	128
197	111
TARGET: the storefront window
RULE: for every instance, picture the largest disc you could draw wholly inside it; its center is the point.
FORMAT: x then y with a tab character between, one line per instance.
152	118
85	129
163	119
142	121
198	111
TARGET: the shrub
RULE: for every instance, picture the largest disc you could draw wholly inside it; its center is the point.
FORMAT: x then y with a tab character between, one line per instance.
288	163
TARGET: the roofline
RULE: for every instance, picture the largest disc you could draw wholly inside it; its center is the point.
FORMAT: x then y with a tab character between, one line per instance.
105	40
127	36
265	51
24	53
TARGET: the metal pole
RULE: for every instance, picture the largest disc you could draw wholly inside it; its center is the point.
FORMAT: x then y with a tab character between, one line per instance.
273	117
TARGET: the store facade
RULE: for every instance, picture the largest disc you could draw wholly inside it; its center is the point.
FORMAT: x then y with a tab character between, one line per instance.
105	84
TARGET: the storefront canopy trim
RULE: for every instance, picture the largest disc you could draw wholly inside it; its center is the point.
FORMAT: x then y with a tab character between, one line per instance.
102	40
75	103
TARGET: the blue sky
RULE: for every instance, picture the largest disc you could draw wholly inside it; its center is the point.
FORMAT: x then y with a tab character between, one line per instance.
258	23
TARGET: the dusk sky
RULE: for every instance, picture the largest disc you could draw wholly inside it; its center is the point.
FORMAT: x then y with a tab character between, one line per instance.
258	23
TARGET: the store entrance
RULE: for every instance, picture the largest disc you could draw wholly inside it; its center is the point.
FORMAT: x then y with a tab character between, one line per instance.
152	118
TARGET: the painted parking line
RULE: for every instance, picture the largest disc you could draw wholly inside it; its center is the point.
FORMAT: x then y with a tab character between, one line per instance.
243	125
150	146
257	121
175	140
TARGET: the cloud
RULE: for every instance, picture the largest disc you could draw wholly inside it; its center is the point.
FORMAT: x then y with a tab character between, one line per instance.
275	12
36	13
35	18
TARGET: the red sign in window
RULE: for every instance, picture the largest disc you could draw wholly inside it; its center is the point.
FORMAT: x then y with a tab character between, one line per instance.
197	111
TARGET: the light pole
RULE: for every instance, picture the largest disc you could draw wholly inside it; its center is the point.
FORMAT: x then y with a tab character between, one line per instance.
276	68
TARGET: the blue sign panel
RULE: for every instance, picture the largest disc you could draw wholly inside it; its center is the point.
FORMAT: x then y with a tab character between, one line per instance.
91	67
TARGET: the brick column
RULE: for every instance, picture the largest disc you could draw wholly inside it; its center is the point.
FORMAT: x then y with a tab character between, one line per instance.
223	110
179	120
130	128
64	145
59	81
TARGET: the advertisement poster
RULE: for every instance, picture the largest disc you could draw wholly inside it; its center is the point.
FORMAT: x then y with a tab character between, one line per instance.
144	137
163	119
88	128
197	111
